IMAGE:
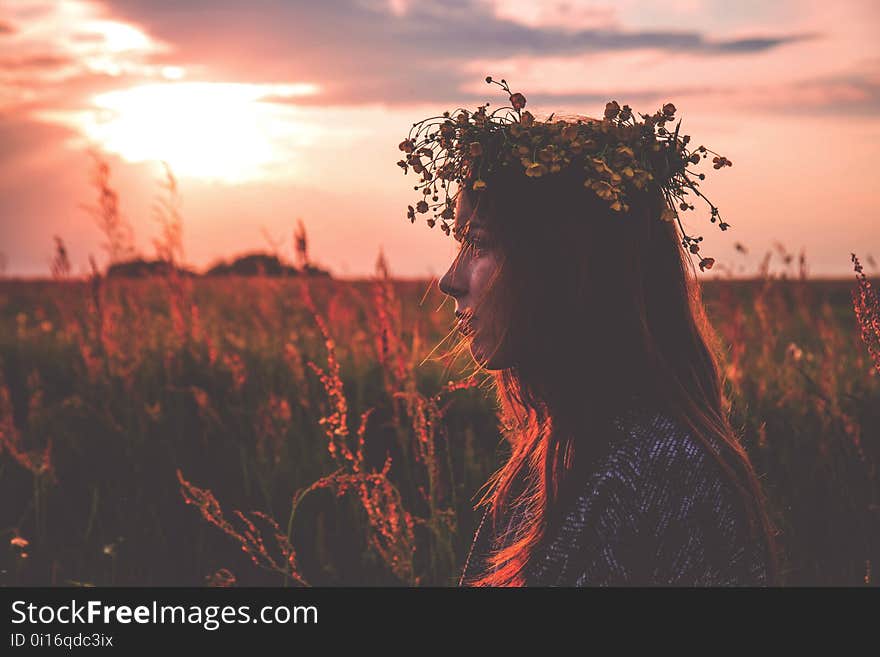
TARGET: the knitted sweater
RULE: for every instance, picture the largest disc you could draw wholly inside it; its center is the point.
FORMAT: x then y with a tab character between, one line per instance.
657	511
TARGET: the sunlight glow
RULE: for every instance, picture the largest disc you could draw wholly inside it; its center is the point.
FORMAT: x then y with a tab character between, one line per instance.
219	131
118	37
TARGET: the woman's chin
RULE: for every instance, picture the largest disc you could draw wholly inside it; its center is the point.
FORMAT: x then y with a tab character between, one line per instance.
495	361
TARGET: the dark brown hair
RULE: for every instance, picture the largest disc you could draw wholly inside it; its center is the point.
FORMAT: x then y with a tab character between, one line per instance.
598	307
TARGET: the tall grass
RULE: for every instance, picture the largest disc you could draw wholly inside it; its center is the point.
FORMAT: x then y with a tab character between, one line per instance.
293	431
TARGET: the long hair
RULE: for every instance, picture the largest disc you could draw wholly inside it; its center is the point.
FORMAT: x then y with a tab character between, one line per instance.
598	308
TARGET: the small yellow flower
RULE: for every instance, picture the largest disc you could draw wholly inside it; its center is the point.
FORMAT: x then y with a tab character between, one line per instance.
570	132
536	170
626	151
546	154
479	185
600	166
603	190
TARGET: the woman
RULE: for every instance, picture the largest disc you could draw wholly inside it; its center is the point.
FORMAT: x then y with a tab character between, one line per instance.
624	469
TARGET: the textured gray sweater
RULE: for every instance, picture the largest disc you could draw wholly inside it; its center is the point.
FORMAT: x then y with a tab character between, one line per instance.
658	511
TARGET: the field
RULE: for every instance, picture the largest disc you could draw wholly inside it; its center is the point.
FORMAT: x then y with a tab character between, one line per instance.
286	431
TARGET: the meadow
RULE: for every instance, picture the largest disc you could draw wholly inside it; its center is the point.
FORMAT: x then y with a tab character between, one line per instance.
293	430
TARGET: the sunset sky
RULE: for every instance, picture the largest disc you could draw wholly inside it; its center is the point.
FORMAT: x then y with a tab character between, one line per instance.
273	110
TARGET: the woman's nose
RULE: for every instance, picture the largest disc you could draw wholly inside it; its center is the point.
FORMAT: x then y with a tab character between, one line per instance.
448	284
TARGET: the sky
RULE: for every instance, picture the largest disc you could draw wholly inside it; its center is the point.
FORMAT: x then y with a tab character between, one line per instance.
269	111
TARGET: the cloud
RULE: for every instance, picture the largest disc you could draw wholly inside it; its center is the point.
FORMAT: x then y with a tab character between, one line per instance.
35	62
758	44
396	53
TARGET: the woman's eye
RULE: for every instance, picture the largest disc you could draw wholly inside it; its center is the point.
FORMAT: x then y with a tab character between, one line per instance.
478	245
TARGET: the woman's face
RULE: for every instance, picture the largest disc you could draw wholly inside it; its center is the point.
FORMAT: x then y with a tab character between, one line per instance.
467	281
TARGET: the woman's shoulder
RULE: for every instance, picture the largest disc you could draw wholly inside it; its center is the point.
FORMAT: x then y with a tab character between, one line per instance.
661	497
652	448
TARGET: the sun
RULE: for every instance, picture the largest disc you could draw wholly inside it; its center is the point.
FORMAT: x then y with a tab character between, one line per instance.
231	132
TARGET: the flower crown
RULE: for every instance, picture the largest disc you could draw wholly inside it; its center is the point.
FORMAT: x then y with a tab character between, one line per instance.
619	157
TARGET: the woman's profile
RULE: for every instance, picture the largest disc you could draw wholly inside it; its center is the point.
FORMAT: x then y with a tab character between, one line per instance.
574	288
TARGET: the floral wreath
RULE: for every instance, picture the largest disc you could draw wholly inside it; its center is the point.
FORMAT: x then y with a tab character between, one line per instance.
619	156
